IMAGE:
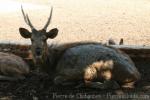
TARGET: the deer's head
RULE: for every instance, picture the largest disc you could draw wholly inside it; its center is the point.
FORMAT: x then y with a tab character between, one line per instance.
38	37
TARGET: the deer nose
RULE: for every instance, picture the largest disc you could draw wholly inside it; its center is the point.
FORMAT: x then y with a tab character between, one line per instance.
38	51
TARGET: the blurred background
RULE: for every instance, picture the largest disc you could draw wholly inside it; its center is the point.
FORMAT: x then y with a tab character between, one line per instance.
79	20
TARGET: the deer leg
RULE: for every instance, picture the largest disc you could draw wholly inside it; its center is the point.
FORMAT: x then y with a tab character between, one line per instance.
69	77
8	78
108	84
129	85
91	74
62	80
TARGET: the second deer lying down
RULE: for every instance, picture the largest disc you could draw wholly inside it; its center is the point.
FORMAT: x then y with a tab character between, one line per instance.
12	67
96	65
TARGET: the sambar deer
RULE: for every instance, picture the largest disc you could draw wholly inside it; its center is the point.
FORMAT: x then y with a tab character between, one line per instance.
12	67
92	64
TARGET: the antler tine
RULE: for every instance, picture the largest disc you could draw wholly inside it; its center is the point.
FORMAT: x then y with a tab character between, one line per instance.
29	22
26	18
49	19
23	15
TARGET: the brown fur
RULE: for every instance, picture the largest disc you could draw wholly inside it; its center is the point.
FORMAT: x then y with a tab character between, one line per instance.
101	69
12	67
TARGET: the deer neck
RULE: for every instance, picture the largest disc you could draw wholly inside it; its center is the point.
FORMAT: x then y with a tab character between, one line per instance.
48	61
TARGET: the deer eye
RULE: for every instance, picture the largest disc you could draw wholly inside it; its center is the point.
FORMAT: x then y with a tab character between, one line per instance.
44	38
32	40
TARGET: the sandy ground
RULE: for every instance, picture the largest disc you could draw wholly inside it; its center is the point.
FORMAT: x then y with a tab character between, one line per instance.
80	20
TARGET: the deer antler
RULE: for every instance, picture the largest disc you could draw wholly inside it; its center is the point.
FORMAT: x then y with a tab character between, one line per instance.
49	19
26	18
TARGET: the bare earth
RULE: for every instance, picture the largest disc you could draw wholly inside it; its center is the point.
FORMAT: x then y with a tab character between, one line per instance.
80	20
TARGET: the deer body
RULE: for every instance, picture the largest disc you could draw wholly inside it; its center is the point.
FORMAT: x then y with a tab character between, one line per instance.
95	62
95	65
12	67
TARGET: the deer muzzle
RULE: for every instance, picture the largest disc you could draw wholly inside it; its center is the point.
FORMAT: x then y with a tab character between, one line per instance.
38	54
38	51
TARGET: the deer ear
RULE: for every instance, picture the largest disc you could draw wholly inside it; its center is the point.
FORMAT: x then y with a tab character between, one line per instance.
52	33
24	33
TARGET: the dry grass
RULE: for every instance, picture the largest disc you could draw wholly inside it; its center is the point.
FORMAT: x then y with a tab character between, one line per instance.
83	20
